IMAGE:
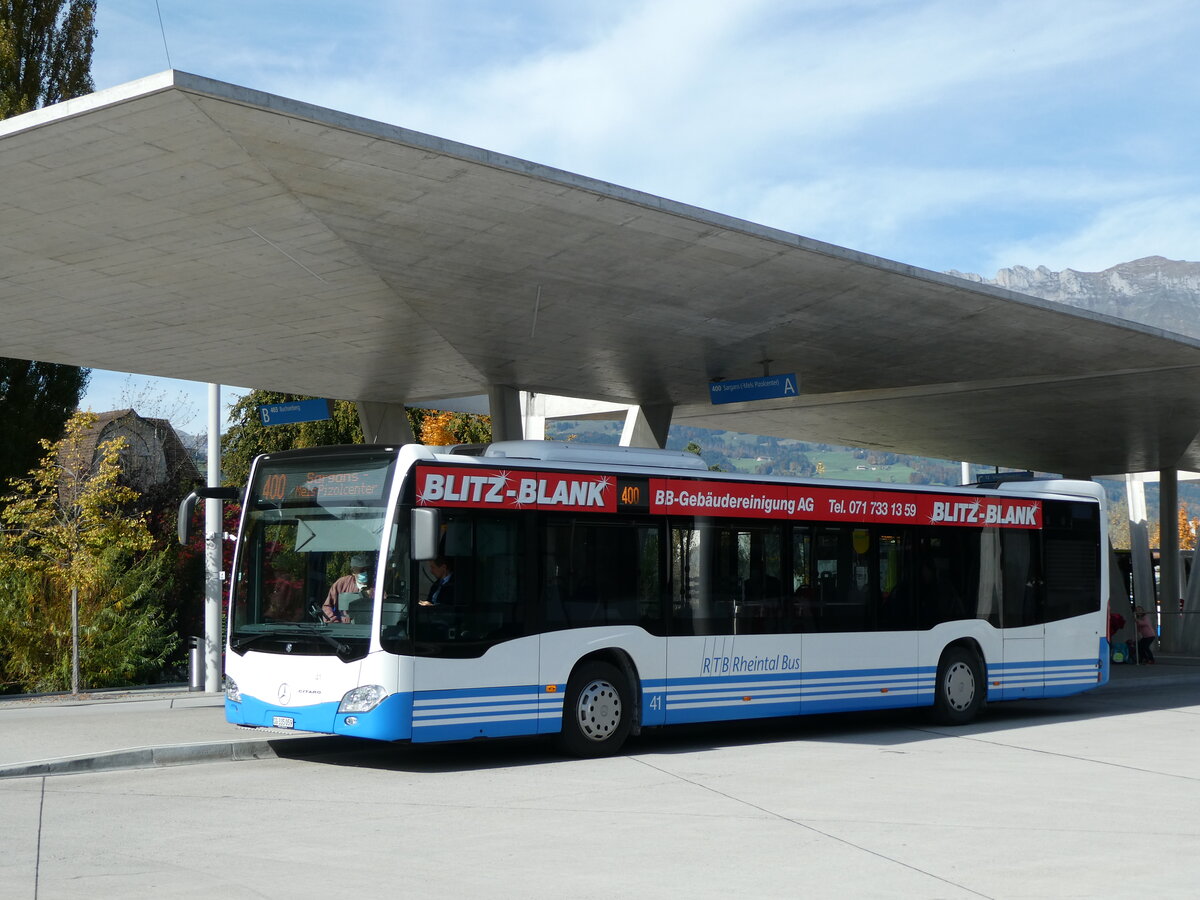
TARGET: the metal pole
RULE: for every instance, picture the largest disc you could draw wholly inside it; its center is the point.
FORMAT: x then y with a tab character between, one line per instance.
74	639
212	549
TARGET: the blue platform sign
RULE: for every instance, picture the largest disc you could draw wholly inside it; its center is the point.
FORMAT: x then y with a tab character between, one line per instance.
297	411
765	387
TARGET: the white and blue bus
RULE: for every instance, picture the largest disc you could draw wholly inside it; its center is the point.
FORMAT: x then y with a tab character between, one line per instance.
589	592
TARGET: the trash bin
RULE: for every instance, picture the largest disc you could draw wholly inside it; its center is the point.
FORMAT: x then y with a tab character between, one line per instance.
196	664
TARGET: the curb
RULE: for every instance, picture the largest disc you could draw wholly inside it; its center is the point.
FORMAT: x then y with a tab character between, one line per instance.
175	755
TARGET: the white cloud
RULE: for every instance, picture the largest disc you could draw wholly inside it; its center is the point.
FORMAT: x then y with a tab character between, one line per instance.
870	123
732	76
1162	225
967	218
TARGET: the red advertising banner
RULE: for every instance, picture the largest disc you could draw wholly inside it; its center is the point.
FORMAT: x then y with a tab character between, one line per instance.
477	488
515	489
671	496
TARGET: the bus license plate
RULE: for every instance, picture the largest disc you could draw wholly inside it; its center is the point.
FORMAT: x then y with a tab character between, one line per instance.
283	722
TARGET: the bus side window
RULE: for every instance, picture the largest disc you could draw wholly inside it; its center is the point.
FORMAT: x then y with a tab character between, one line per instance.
759	609
1021	593
684	578
496	575
947	575
896	610
1071	559
485	557
836	603
805	608
597	573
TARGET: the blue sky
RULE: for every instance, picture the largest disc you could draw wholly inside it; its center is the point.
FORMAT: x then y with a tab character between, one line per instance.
941	133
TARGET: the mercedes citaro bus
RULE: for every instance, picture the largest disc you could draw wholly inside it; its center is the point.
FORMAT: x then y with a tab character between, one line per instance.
414	593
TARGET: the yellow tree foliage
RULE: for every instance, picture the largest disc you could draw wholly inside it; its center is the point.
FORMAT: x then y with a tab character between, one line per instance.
69	526
436	430
1188	529
68	513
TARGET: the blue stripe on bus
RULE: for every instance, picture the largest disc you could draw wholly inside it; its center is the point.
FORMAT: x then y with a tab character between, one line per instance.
464	713
518	690
745	696
1037	678
1049	663
733	696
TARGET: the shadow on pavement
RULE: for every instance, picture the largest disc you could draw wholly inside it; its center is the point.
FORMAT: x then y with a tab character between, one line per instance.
886	728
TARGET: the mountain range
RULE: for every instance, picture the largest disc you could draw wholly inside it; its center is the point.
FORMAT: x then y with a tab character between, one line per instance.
1164	293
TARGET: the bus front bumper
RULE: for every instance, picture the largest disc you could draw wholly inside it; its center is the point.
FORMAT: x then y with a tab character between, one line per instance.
391	720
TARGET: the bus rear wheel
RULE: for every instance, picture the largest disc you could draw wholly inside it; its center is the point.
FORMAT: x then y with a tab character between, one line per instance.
960	689
597	710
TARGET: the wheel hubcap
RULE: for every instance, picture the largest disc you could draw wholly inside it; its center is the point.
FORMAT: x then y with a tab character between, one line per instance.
960	686
599	710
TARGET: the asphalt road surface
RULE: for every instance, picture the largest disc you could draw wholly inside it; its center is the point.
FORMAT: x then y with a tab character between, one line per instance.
1089	796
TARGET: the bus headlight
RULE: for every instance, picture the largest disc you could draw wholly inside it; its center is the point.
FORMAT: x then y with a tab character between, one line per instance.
231	690
362	699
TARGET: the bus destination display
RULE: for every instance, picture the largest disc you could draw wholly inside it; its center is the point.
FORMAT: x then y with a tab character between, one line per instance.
323	487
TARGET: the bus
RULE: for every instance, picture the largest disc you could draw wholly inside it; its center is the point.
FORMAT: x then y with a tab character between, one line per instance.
419	594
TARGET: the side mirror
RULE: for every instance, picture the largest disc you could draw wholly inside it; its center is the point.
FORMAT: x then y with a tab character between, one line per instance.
426	533
189	504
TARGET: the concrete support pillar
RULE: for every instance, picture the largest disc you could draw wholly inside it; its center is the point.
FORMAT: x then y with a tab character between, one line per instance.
647	426
1170	591
533	416
504	404
384	423
1139	546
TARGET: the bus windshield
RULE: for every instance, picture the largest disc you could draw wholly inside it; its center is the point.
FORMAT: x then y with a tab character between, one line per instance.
308	552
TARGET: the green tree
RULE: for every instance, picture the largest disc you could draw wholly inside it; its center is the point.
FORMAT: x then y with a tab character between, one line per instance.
45	52
68	530
36	399
693	447
45	57
247	437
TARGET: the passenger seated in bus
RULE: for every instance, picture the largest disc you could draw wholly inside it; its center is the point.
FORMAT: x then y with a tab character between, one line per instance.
356	583
284	597
441	593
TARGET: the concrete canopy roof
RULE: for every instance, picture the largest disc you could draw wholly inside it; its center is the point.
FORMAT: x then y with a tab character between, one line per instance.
184	227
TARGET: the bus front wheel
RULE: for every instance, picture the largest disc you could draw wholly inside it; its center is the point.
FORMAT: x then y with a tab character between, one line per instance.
960	689
597	710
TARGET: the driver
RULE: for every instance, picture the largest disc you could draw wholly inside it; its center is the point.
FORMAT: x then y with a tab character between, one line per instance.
357	582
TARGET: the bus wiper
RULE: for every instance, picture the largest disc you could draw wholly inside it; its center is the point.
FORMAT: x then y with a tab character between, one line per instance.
238	643
333	642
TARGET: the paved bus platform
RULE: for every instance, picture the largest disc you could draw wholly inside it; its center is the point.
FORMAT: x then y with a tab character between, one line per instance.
57	734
